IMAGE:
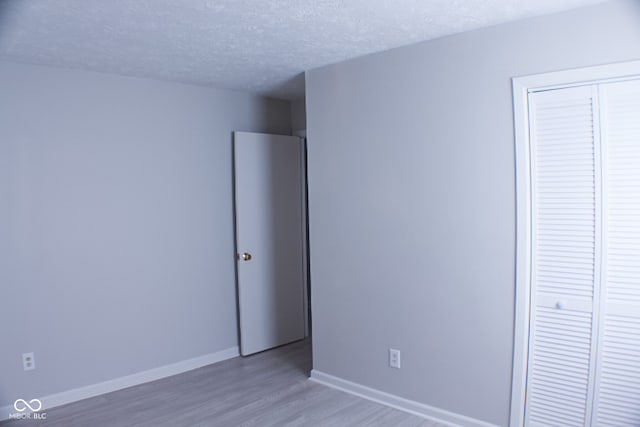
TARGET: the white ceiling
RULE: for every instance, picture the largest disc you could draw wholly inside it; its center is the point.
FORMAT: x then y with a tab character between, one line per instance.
261	46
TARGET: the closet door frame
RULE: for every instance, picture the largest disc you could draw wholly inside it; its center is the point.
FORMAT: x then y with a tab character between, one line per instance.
522	86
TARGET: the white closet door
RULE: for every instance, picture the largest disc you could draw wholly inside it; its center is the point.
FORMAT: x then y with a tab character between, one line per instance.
564	248
617	390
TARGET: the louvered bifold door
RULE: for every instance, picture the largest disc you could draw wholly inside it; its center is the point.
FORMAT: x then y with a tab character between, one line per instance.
563	138
617	388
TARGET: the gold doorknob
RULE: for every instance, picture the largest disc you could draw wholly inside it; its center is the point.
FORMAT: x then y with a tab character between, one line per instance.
245	256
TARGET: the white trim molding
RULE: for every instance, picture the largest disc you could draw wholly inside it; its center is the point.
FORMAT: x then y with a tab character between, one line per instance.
396	402
74	395
522	86
580	76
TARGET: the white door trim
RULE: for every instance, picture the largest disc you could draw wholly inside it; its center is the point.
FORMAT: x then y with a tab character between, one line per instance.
305	228
522	86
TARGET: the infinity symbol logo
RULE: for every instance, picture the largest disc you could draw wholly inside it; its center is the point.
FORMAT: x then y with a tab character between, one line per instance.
21	405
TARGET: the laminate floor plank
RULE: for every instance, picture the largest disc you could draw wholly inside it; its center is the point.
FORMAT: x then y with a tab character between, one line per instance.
269	389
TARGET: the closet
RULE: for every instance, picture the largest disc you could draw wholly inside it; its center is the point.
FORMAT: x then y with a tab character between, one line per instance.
582	355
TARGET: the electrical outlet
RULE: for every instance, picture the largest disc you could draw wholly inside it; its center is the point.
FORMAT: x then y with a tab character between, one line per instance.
394	358
28	361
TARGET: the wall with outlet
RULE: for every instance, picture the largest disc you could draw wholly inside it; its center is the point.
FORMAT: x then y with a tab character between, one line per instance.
412	204
116	226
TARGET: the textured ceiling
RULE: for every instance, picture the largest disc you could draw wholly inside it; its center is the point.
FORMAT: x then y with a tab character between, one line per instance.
261	46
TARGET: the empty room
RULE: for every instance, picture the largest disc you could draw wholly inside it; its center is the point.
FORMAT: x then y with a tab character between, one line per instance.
320	213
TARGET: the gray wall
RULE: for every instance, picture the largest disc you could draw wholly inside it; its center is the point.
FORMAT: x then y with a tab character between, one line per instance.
116	232
298	115
412	204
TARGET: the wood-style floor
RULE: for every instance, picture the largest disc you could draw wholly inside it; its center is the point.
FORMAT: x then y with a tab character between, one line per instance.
266	389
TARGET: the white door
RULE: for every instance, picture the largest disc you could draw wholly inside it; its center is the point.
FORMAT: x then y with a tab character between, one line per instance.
617	386
564	202
584	337
270	239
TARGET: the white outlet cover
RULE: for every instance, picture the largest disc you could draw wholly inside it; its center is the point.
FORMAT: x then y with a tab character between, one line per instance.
28	361
394	358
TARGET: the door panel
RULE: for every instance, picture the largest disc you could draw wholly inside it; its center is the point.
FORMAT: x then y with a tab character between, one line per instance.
564	246
617	400
269	229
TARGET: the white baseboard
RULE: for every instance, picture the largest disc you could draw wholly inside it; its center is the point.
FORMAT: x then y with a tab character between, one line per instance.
92	390
406	405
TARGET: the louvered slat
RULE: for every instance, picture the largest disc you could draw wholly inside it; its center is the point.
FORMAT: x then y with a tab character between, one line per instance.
563	249
617	388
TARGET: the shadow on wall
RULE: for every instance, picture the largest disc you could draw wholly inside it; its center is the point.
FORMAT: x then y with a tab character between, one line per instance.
289	89
8	13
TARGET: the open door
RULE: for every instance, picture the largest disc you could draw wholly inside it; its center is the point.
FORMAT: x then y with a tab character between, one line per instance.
270	239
